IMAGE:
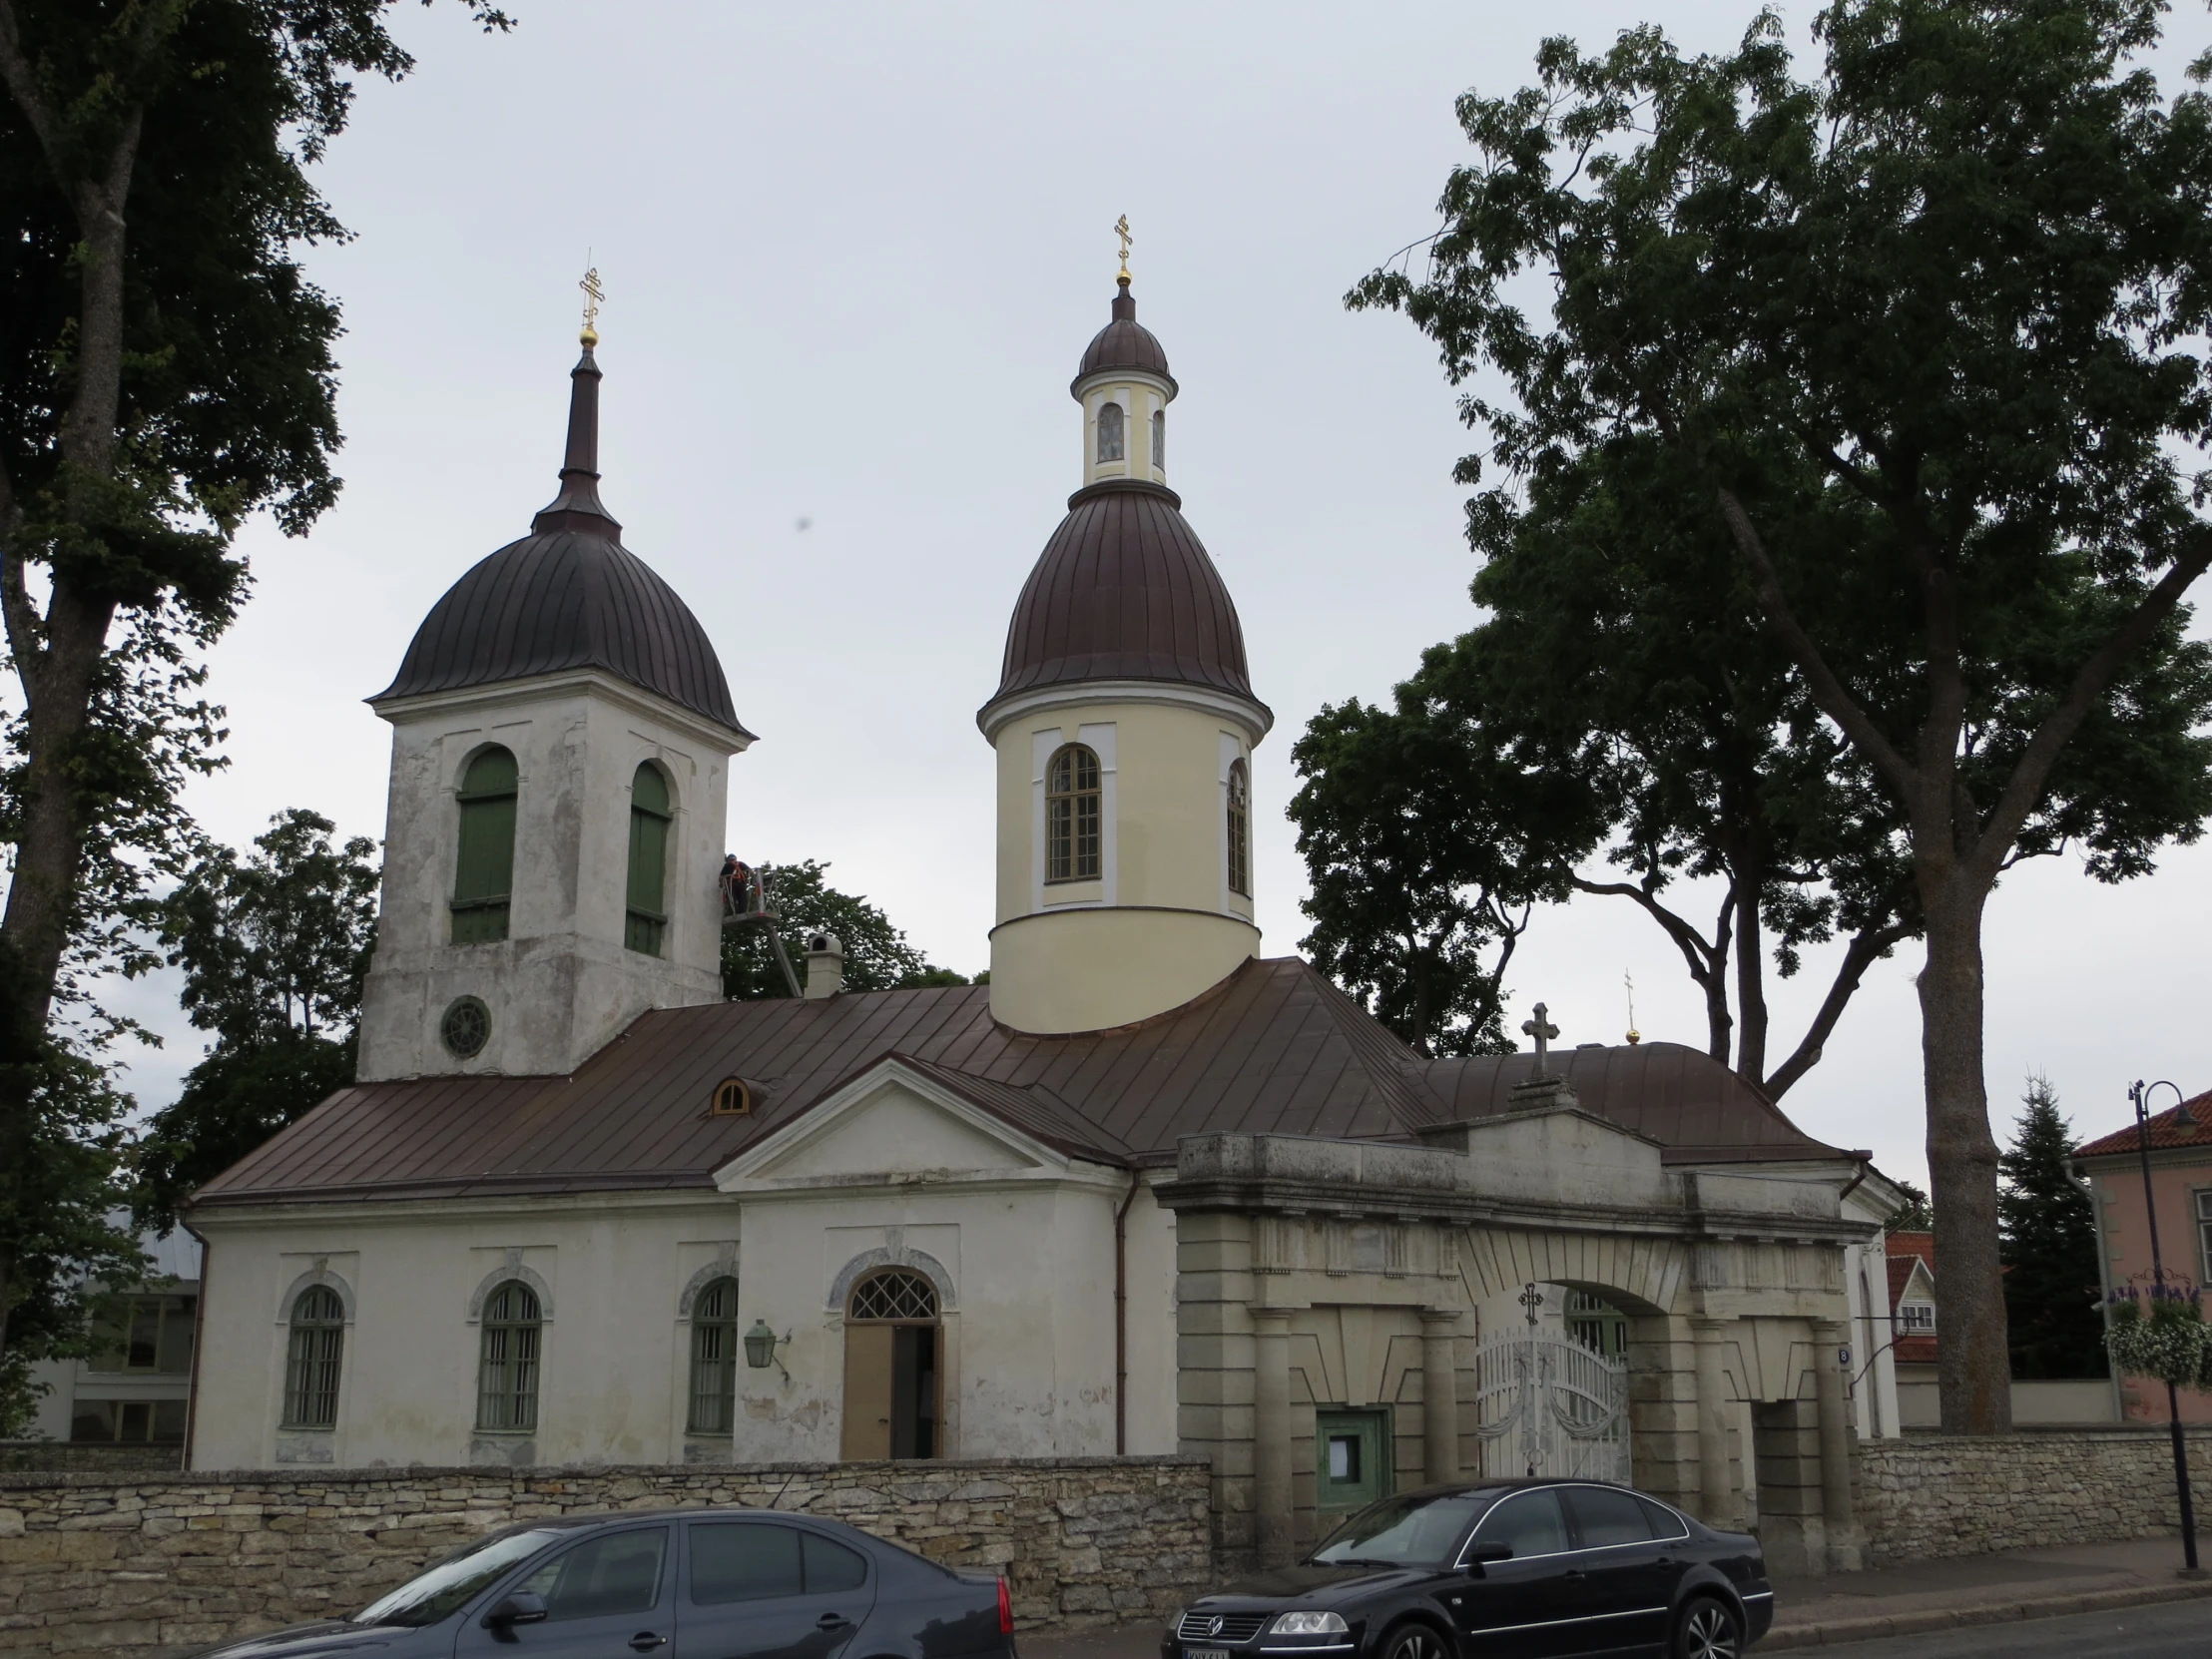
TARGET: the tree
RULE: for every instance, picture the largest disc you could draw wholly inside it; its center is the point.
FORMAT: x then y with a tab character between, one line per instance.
877	954
2052	1282
274	949
1921	331
1916	1217
164	371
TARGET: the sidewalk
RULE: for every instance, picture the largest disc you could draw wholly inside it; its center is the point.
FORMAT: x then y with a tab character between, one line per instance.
1855	1606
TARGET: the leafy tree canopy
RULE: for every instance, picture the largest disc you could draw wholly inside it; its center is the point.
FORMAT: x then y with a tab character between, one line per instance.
2051	1284
877	954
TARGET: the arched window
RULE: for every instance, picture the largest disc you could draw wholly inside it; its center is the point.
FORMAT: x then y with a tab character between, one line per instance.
312	1368
508	1373
484	874
714	1359
1160	438
1071	815
1109	432
650	815
1240	830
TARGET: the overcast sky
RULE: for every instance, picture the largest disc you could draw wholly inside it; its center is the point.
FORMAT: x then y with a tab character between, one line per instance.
851	255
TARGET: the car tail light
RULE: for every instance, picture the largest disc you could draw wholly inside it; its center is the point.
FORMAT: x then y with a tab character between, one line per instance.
1005	1610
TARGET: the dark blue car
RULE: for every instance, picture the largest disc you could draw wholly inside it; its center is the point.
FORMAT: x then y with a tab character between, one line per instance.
676	1584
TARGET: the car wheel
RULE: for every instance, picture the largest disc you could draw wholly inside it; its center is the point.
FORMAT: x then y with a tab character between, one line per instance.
1414	1641
1708	1628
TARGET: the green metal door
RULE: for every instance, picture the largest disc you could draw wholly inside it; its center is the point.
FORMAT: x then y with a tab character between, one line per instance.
1351	1452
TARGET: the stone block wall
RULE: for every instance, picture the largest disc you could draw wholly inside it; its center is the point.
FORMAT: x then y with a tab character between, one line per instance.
160	1565
1948	1494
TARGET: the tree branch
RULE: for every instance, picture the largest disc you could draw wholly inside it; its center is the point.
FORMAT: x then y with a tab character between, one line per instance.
22	85
1863	951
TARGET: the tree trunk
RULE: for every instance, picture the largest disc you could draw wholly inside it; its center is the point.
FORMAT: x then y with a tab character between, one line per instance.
1973	1370
1751	989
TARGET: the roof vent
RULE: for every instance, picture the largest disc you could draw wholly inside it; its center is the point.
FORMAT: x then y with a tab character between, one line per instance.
825	966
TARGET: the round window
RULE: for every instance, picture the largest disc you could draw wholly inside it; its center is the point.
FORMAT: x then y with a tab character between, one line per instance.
466	1026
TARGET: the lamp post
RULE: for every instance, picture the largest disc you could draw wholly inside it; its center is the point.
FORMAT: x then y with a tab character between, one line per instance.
2140	1096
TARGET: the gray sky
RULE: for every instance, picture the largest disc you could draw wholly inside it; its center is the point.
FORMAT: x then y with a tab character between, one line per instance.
851	256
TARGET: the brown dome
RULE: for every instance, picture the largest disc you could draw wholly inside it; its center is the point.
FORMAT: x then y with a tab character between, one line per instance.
1124	591
1124	344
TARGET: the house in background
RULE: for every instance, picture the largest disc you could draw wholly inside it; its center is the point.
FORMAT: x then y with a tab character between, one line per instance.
138	1390
2181	1179
1912	1327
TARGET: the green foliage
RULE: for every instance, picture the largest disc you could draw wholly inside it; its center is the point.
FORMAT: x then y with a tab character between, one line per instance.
273	948
2170	1341
877	954
1917	1216
2049	1236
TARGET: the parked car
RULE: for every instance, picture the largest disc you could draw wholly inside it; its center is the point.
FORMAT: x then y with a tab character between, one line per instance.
675	1585
1497	1569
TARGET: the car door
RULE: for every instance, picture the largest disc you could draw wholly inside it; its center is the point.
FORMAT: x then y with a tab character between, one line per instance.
1624	1590
1519	1608
607	1596
765	1590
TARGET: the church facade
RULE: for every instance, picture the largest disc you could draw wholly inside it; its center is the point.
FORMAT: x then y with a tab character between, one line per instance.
1146	1191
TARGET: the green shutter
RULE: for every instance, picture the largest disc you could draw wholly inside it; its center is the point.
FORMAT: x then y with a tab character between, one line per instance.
483	878
648	821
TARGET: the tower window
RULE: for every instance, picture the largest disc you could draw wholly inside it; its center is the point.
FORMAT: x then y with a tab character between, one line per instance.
1109	432
1071	815
714	1377
646	919
484	869
1240	830
1160	438
508	1373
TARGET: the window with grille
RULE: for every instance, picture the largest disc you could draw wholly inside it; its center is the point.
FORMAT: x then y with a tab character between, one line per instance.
507	1374
484	869
1240	830
714	1361
2204	1236
650	816
906	1298
1917	1317
1071	815
317	1347
1109	432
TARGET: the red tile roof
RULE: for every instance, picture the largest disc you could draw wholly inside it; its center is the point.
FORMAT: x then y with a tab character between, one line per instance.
2163	1133
1913	1351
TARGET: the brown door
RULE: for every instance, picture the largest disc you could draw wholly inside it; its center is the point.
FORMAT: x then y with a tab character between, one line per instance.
868	1392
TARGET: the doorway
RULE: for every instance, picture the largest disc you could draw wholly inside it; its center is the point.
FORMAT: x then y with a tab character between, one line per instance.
892	1376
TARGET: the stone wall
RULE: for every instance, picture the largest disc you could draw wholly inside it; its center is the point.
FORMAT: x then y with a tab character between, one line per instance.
164	1565
1950	1494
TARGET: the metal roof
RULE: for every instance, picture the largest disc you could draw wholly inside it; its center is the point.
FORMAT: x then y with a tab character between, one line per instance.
1123	343
1276	1048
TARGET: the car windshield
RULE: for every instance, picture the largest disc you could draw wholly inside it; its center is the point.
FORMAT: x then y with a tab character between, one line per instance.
1421	1529
446	1588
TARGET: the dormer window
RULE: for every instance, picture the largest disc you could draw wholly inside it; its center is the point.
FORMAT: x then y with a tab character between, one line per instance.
1160	439
1110	441
1071	815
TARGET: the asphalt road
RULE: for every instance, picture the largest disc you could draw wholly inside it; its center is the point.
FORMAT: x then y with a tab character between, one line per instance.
2169	1630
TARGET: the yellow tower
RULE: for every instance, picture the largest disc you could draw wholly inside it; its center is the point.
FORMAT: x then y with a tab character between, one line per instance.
1124	725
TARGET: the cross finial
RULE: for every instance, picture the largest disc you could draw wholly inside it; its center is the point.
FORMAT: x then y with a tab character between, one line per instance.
1121	229
1543	1031
1634	1036
1531	1299
593	294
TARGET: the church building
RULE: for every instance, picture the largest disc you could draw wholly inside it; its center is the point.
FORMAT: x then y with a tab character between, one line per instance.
1146	1191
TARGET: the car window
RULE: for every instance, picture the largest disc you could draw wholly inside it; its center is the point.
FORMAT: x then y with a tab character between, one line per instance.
831	1567
617	1572
449	1586
1605	1515
742	1562
1530	1522
1665	1524
1417	1529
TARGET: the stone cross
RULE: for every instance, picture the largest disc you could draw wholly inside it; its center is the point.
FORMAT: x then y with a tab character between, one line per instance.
1543	1031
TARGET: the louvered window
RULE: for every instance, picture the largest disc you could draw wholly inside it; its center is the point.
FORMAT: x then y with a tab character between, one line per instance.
507	1374
312	1369
483	877
1071	815
714	1367
650	816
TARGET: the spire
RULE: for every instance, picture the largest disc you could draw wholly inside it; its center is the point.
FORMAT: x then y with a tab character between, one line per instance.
578	506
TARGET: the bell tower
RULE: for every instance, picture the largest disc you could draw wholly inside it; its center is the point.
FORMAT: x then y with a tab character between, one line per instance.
1124	724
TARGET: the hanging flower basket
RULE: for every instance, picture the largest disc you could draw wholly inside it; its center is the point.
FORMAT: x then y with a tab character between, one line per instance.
2167	1339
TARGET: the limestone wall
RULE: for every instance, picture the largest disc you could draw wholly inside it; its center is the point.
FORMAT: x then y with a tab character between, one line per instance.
1948	1494
165	1564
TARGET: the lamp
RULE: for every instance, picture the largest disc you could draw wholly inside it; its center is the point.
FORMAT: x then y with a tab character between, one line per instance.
2139	1097
760	1343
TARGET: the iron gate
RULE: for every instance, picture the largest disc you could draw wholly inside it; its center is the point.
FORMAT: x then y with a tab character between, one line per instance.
1544	1405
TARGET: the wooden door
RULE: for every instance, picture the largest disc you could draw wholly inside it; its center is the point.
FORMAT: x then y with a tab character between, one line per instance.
867	1392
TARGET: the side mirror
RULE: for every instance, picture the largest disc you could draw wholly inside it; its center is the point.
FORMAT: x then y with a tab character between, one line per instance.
520	1608
1493	1549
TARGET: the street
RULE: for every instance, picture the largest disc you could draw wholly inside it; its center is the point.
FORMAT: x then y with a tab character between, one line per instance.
2170	1630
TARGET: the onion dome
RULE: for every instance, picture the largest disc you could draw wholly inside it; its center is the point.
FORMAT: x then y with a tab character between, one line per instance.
1124	344
568	596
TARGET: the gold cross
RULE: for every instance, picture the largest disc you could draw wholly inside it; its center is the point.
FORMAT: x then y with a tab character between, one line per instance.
593	294
1121	229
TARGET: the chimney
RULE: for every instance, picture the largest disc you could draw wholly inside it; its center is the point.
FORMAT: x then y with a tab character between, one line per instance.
825	966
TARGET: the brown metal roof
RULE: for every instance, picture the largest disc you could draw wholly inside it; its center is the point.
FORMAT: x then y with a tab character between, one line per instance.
1124	344
1696	1108
1124	591
1276	1048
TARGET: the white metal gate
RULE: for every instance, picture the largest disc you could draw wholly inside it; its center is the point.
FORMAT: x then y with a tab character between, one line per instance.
1544	1405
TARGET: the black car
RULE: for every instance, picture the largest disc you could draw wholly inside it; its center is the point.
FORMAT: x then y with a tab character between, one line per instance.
676	1584
1518	1569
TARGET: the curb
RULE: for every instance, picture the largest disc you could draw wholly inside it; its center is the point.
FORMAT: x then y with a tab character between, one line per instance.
1877	1625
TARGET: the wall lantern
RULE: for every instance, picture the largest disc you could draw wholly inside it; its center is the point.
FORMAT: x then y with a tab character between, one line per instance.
761	1344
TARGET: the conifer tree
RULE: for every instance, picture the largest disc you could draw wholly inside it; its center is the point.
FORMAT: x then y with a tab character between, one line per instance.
2048	1234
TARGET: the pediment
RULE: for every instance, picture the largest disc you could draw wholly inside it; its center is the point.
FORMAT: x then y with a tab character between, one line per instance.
890	1124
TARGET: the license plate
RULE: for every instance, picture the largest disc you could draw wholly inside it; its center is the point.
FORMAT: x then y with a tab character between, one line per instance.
1205	1653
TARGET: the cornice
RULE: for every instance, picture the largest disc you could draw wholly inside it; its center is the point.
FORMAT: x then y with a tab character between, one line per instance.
510	694
1255	717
